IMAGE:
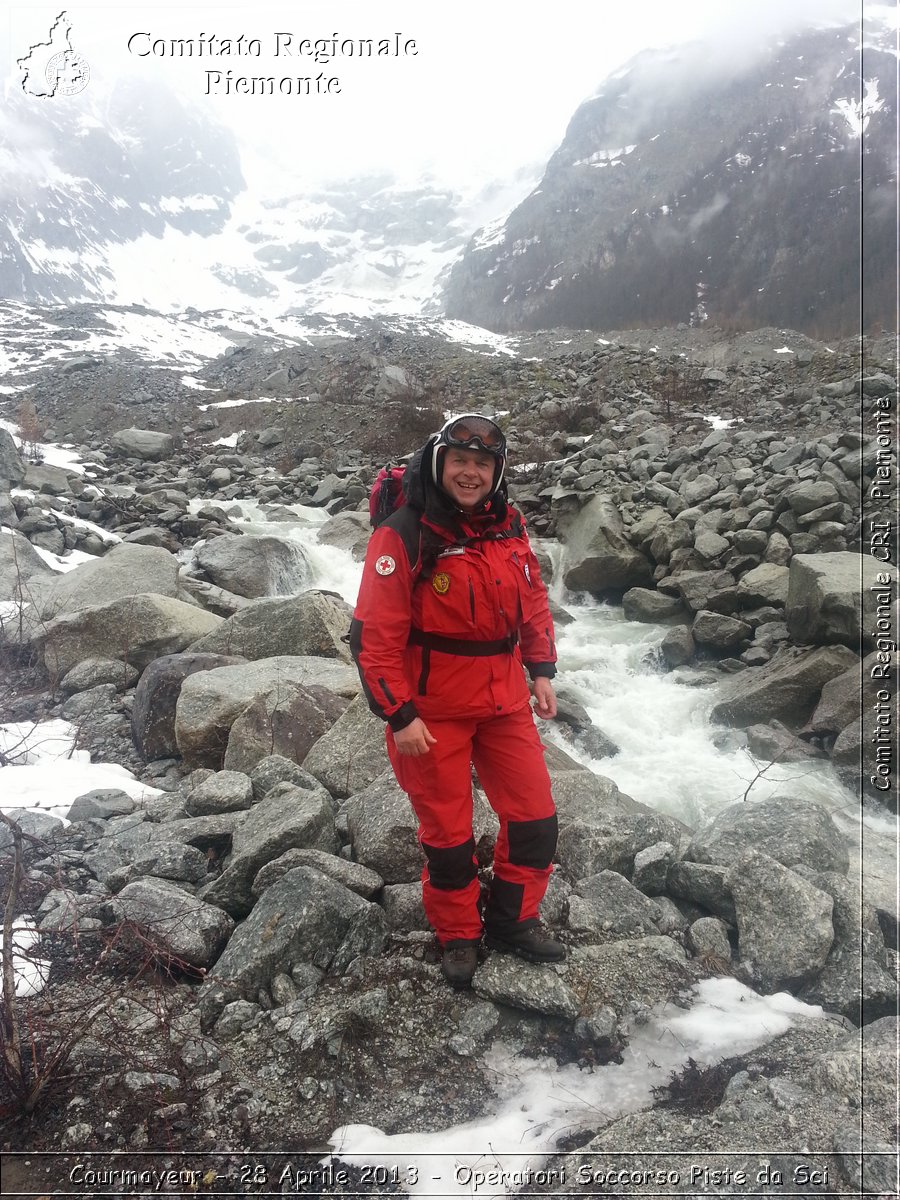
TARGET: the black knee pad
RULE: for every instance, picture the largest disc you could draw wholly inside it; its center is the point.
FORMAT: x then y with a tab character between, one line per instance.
533	843
451	867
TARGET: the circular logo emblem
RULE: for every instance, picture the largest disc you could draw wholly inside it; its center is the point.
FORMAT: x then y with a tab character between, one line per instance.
385	565
67	73
441	583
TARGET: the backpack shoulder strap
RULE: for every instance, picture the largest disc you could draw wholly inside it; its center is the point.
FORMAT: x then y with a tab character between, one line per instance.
405	522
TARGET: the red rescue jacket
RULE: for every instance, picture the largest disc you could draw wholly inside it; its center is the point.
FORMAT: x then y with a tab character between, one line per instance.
446	635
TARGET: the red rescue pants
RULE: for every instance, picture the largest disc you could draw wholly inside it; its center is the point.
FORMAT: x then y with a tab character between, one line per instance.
509	759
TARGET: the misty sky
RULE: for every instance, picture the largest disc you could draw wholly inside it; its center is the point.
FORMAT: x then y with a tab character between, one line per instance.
491	88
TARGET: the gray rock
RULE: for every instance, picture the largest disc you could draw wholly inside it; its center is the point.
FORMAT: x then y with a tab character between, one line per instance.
696	587
719	631
384	831
651	867
526	986
403	908
311	623
703	884
12	468
351	754
156	697
599	556
856	980
602	829
350	875
19	563
697	490
810	495
303	918
839	704
276	769
669	537
125	570
286	720
348	531
223	791
711	545
287	817
765	584
786	689
708	938
135	629
145	444
93	671
100	804
211	701
785	828
94	702
254	566
633	971
853	748
677	647
608	903
784	924
186	927
835	597
775	743
644	604
172	860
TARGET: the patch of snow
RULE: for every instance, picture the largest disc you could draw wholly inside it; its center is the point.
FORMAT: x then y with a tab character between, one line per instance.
539	1101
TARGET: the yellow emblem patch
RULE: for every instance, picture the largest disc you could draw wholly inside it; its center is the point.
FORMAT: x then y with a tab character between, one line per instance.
441	583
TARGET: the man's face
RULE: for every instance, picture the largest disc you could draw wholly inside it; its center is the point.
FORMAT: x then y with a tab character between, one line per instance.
467	476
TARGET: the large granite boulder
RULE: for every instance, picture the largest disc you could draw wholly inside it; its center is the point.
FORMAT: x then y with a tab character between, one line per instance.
303	918
287	817
285	720
348	531
12	468
788	829
311	623
211	701
351	754
156	695
384	831
856	980
836	597
135	629
20	563
784	924
787	688
599	557
602	829
254	566
125	570
145	444
181	924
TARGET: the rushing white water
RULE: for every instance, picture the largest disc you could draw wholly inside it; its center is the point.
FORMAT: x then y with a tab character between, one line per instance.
670	755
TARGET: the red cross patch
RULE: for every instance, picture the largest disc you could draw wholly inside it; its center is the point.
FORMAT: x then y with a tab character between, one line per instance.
385	565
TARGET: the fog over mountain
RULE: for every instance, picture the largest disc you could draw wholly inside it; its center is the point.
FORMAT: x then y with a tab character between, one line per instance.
683	192
684	189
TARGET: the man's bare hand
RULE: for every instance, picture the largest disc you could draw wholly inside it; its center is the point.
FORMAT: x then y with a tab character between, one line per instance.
545	697
414	739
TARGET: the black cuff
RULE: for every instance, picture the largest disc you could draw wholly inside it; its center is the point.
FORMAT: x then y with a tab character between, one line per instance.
405	715
541	670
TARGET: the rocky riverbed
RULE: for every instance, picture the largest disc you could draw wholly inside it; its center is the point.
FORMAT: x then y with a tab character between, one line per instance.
240	948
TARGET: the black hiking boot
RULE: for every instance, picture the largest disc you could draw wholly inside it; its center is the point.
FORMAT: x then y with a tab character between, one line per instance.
530	943
458	963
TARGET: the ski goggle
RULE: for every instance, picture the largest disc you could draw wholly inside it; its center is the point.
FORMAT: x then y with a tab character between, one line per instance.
474	432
